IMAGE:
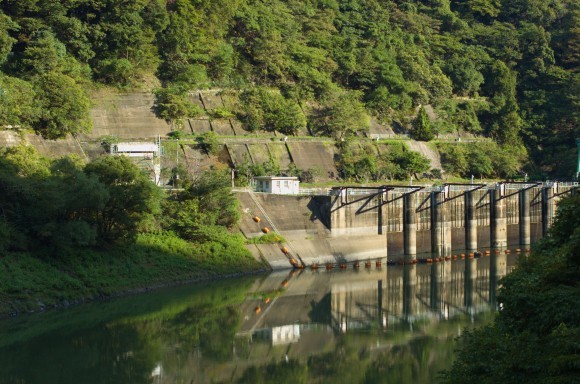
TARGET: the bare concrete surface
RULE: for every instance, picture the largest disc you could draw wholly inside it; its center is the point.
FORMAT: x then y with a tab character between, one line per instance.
9	138
380	130
280	154
222	127
298	220
55	148
309	155
125	116
199	126
48	148
425	150
211	99
239	154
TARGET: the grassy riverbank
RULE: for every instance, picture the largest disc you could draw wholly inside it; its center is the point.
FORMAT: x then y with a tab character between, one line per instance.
31	282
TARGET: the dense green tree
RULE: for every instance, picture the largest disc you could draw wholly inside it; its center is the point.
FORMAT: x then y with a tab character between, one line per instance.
173	104
412	163
534	336
132	198
64	106
212	190
18	106
6	41
342	117
209	143
269	110
43	54
464	74
515	61
421	129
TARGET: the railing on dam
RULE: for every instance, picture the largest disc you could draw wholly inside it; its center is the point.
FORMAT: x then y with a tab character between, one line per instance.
440	218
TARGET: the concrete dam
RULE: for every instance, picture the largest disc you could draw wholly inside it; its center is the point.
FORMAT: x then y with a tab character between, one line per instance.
399	223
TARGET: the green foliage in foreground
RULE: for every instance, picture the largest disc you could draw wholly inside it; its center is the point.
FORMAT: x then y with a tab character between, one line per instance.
28	280
366	162
269	238
534	338
70	230
327	64
482	159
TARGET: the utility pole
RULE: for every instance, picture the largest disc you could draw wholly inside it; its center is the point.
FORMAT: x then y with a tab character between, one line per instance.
578	164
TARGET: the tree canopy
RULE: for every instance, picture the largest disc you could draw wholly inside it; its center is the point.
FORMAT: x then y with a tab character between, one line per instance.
509	67
534	336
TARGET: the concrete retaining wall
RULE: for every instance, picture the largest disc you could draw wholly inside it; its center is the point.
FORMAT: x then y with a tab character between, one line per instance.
127	116
353	227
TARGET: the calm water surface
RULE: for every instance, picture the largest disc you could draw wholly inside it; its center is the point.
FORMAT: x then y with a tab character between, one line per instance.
390	325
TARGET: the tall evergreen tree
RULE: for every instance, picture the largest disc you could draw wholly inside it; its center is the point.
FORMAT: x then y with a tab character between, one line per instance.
422	126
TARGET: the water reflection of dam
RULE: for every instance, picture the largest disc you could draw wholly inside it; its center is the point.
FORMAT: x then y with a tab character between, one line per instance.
285	306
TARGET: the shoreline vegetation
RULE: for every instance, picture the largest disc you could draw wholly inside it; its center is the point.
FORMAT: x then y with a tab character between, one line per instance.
539	310
35	283
72	231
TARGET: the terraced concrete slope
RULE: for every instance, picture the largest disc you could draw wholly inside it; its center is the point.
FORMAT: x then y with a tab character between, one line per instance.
301	221
48	148
308	155
127	116
425	150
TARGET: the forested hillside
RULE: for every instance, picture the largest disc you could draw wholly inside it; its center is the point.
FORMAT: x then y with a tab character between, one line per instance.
507	69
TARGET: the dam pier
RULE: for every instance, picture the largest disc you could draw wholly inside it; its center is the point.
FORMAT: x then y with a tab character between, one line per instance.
400	223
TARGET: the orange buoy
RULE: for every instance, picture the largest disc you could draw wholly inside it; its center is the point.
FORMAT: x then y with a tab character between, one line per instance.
342	265
292	261
497	251
454	257
258	309
527	250
329	266
447	258
462	256
267	300
487	253
314	266
356	265
368	264
266	230
284	283
378	264
284	250
256	219
507	251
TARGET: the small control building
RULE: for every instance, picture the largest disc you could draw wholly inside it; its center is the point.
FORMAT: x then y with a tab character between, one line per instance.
279	185
145	155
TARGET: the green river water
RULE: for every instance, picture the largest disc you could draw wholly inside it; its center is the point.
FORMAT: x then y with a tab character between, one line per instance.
395	324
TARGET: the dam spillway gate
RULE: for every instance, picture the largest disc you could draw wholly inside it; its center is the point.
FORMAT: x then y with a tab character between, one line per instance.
440	219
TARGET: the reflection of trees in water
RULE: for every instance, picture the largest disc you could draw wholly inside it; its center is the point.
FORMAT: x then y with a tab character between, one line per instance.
284	372
415	362
209	329
185	321
104	355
